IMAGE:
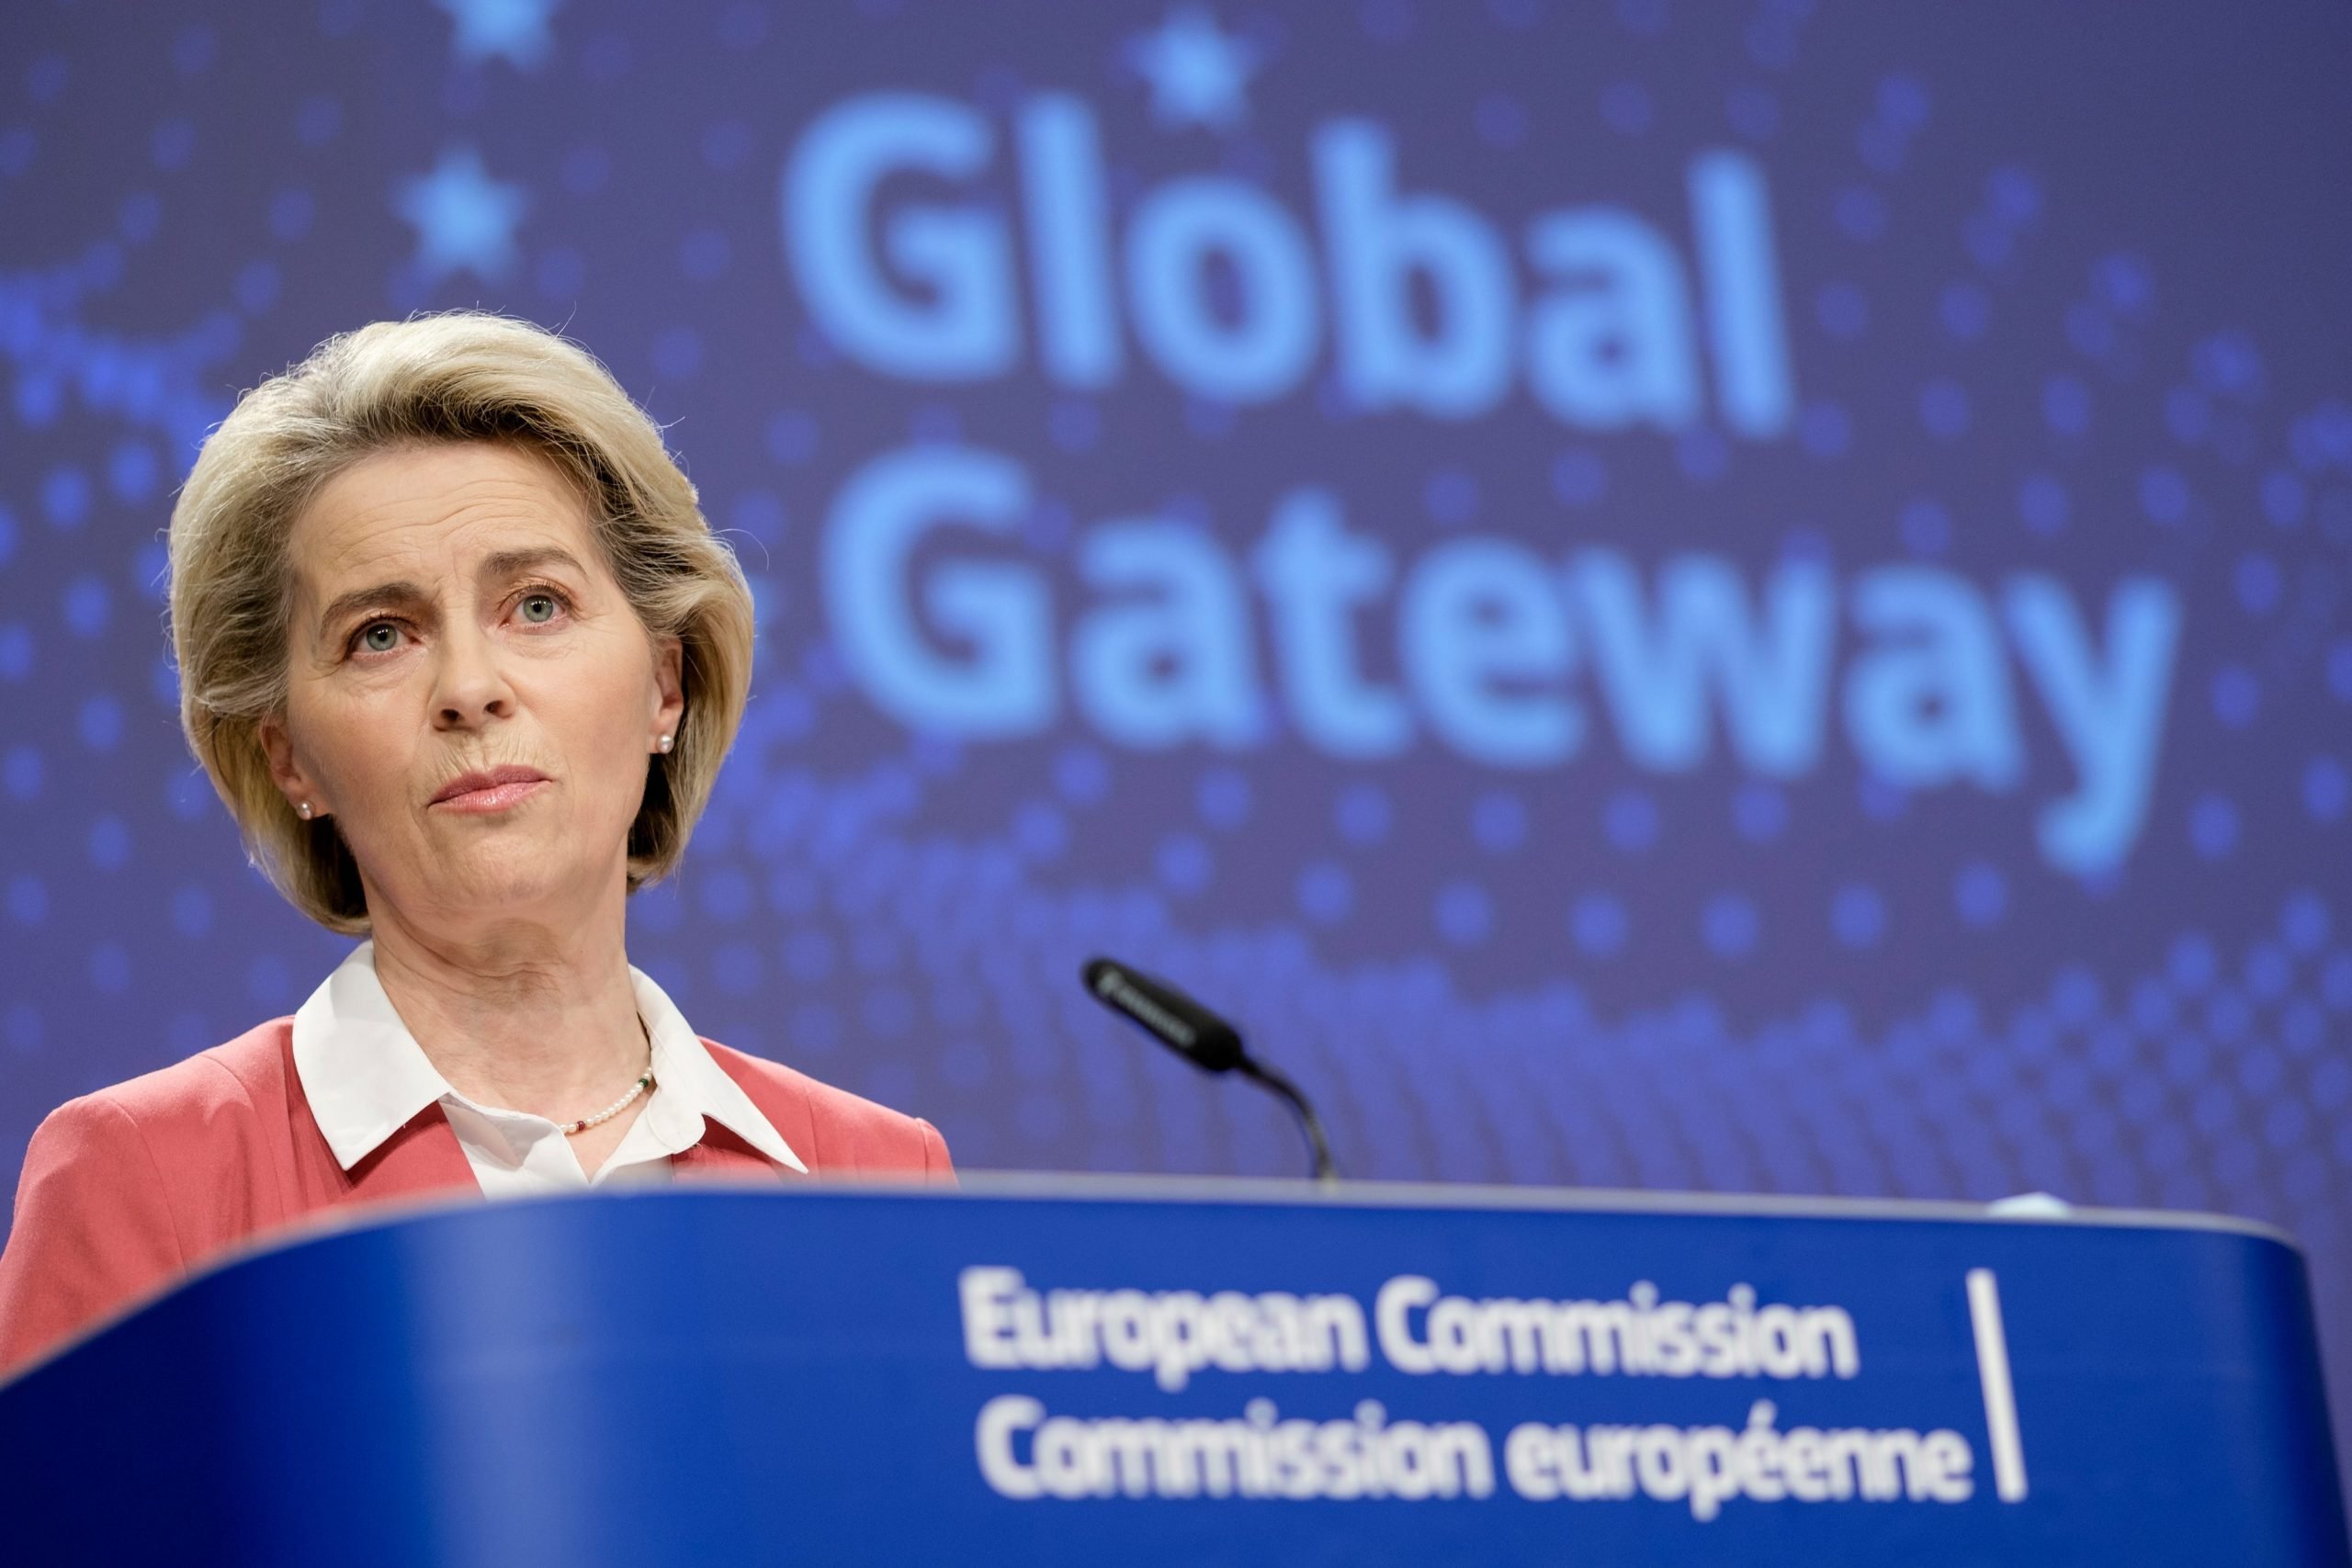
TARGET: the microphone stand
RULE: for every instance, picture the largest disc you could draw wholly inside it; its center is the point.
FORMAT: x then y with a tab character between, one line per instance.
1326	1173
1178	1022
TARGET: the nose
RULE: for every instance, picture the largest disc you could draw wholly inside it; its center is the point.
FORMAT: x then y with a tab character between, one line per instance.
471	687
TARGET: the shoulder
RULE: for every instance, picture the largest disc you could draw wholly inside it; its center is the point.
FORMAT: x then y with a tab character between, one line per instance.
244	1070
162	1129
838	1132
112	1201
186	1103
164	1141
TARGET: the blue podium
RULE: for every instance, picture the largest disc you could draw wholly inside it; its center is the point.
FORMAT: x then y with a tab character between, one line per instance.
1047	1372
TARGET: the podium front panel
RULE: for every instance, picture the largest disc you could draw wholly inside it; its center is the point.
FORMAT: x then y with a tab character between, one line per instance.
1047	1374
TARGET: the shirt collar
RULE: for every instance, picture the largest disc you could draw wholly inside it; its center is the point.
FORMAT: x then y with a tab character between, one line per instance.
681	1063
366	1077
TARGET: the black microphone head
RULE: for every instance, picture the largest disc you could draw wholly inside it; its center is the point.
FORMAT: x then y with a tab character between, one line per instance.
1167	1014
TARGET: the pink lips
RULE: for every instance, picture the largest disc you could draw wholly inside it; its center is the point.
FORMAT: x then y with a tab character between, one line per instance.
495	790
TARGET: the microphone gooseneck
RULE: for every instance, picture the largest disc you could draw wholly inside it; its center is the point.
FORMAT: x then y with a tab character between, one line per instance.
1178	1022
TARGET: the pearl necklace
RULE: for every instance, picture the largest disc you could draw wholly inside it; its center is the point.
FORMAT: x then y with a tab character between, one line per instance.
644	1082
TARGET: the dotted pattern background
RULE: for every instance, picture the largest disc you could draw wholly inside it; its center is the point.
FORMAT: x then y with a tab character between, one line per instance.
2061	299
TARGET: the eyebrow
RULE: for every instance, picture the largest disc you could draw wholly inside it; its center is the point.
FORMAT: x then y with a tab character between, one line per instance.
405	594
513	563
383	595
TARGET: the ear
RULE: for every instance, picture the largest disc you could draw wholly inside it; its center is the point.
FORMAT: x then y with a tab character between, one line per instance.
285	771
669	689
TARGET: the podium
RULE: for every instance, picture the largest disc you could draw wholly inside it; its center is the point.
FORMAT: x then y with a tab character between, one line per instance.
1090	1371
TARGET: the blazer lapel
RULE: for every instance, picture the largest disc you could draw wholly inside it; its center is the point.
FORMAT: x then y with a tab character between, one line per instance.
723	1156
422	1157
785	1107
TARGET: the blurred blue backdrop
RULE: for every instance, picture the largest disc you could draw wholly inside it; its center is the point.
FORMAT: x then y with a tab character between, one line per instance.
1737	596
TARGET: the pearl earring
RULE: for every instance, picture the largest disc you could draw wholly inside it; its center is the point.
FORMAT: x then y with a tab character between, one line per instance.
305	809
665	745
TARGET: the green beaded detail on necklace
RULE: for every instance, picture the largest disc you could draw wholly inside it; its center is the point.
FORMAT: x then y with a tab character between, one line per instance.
644	1082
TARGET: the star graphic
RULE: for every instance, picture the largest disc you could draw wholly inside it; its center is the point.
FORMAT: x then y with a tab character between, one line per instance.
513	31
1197	70
463	218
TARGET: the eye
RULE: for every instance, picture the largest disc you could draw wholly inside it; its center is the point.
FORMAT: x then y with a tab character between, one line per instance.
378	636
538	607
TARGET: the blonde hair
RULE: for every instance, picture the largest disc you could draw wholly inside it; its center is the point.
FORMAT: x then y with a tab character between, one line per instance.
461	377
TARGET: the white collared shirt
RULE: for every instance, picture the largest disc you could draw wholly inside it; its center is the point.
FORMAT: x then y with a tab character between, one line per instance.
365	1076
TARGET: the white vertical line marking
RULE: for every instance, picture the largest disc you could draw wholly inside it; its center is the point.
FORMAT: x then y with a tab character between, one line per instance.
2000	1396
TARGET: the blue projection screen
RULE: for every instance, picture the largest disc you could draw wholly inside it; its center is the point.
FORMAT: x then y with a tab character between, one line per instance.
1738	596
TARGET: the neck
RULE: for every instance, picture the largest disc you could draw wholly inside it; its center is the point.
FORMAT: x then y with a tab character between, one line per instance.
522	1016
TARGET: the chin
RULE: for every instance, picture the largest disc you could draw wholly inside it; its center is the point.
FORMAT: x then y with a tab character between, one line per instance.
497	881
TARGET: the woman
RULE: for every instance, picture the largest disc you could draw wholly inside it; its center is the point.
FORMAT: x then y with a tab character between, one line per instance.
463	657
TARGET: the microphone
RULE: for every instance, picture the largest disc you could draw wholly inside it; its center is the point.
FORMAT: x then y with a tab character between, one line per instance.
1202	1038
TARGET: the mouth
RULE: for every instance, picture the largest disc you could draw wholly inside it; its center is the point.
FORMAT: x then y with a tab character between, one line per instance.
496	789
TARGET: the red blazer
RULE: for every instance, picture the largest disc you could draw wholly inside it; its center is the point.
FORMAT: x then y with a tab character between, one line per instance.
128	1189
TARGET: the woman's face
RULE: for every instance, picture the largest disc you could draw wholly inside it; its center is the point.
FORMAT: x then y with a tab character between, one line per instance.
455	626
